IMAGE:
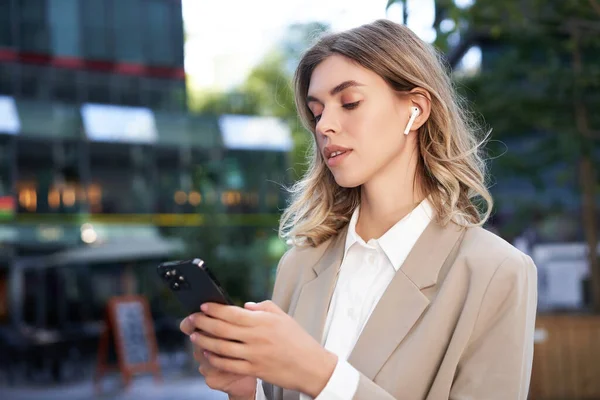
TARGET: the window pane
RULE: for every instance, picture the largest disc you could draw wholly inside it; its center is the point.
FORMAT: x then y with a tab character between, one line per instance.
164	94
4	311
128	32
178	38
64	86
54	298
117	185
159	38
177	96
152	93
35	82
96	32
6	19
42	187
98	88
6	166
168	179
7	78
64	27
126	90
74	294
33	29
33	281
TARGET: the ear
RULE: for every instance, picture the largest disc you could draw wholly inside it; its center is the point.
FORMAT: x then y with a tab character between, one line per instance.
421	98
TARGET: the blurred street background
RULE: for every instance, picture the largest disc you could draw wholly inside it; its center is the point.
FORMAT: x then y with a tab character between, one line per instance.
134	132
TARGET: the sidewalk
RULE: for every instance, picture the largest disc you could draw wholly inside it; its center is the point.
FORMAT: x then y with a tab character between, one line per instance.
142	388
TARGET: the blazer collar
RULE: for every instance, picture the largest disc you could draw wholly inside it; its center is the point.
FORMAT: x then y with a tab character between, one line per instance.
333	255
423	262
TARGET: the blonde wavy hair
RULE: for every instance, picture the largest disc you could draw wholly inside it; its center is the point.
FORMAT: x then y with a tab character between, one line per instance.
451	170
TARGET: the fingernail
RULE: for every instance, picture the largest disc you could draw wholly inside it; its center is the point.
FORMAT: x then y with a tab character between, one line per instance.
205	353
204	307
191	319
193	336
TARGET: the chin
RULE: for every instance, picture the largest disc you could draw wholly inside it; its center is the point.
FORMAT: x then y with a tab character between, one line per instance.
347	180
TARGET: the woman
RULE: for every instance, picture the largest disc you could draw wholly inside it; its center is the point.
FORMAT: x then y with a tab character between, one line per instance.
392	290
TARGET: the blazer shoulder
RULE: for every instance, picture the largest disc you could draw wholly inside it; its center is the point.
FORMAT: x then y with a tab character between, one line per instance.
484	249
505	280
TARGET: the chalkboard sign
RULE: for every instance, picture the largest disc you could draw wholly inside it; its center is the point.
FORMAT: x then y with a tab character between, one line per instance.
129	325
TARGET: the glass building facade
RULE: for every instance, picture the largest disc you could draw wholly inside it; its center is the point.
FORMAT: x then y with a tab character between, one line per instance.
104	173
127	52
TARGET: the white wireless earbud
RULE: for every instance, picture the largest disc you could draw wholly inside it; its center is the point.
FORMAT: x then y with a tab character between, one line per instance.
414	113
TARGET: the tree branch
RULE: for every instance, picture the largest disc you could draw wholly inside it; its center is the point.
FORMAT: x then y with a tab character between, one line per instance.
595	6
586	176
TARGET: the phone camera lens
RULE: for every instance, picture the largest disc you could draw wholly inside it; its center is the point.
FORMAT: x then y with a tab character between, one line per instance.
181	278
175	286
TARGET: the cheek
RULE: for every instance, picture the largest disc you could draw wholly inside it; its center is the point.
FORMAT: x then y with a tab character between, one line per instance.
379	135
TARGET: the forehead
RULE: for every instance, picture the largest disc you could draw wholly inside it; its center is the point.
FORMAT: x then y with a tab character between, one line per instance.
336	69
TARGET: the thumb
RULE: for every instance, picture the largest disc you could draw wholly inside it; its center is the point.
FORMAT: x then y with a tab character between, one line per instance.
266	305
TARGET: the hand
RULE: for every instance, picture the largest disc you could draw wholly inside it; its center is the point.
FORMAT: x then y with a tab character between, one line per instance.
235	385
263	341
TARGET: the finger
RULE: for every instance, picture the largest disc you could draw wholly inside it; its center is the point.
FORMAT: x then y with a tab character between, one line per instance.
233	366
217	328
206	369
199	356
186	326
266	305
225	348
217	379
232	314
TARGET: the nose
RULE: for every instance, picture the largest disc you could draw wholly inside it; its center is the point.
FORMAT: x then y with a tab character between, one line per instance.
327	125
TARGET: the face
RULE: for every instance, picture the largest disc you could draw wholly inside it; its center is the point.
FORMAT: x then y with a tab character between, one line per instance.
359	120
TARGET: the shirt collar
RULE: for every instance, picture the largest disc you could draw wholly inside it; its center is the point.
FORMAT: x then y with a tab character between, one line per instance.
399	240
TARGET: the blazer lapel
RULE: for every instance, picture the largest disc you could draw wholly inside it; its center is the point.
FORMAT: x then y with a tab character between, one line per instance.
315	296
403	301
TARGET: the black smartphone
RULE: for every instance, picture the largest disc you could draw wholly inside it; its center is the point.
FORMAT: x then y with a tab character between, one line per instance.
193	284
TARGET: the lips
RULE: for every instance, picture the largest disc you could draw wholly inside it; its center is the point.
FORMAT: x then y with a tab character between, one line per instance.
334	151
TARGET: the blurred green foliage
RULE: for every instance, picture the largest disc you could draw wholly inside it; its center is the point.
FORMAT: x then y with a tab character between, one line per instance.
538	89
268	90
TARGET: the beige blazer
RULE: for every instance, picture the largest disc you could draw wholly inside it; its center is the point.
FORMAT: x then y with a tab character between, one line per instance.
456	322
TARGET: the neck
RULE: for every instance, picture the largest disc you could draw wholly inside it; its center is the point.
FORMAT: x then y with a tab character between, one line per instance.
388	197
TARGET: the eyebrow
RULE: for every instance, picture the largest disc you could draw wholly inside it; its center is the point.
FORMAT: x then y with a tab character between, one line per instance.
339	88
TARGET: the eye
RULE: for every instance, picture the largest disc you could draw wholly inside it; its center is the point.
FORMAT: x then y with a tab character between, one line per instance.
347	106
351	106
